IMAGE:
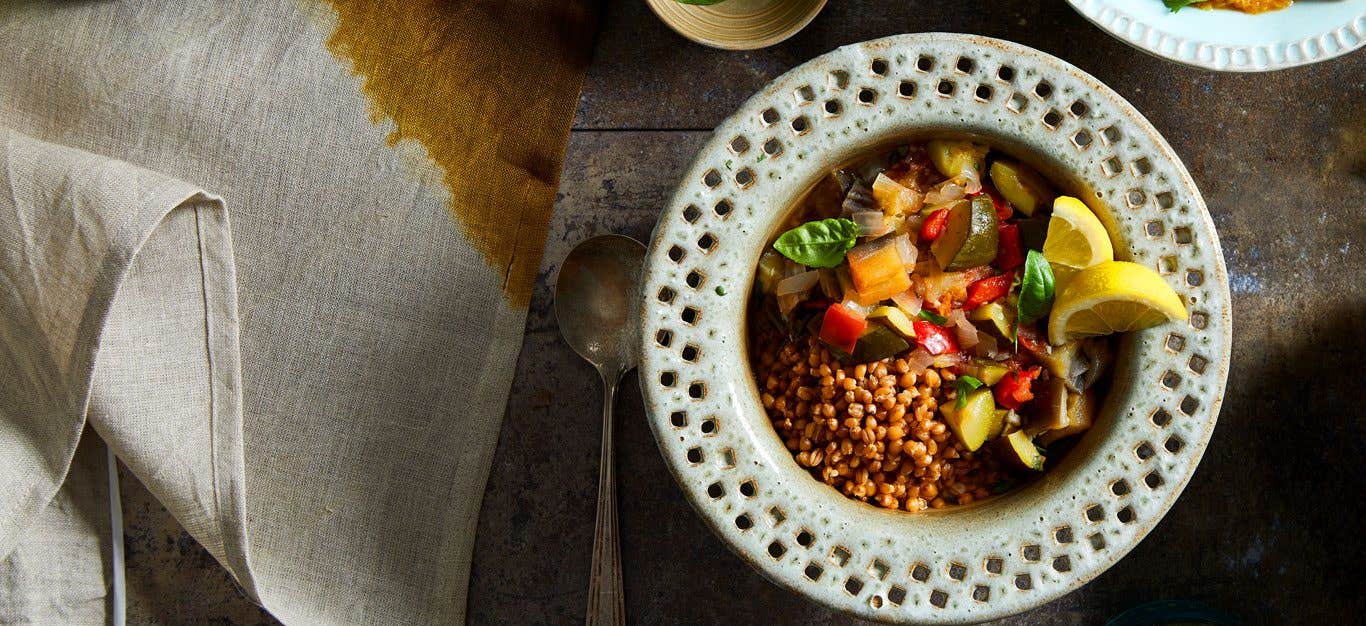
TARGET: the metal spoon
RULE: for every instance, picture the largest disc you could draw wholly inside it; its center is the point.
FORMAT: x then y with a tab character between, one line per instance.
597	306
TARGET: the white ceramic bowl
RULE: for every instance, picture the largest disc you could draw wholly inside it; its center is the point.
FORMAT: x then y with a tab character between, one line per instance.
1308	31
985	560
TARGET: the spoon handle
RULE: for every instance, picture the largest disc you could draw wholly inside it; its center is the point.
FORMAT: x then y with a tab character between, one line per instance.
605	598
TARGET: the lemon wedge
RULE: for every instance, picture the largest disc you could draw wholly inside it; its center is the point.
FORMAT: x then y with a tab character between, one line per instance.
1112	297
1076	239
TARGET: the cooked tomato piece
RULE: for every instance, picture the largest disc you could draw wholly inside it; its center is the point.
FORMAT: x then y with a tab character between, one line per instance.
1009	251
987	290
1014	390
935	339
842	327
934	225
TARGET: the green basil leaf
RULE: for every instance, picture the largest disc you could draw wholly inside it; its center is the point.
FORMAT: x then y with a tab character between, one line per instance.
821	243
965	384
1177	5
1036	288
932	317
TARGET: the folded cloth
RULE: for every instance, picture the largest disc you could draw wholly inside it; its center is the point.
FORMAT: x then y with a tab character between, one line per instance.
117	301
390	167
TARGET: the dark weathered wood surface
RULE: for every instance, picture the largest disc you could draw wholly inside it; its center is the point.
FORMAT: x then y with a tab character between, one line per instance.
1269	528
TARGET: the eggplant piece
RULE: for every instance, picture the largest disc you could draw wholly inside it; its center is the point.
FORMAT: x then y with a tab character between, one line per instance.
1081	410
1079	364
1097	352
859	198
1056	359
845	179
1048	409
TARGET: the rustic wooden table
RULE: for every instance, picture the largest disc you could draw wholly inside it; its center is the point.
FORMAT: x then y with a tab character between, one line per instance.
1269	528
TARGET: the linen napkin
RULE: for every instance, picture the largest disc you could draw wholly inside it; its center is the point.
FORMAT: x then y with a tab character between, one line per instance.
118	301
390	168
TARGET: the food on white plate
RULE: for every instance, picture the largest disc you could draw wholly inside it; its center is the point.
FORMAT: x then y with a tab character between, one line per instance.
1245	6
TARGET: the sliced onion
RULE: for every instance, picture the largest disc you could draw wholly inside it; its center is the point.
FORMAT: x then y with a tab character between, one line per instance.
986	345
870	223
947	191
967	333
950	360
908	302
906	250
919	360
971	178
853	305
947	284
799	283
788	302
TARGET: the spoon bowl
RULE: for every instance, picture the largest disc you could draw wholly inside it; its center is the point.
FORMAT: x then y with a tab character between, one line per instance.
596	302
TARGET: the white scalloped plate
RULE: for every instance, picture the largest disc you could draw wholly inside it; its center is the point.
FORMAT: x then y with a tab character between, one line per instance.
985	560
1308	31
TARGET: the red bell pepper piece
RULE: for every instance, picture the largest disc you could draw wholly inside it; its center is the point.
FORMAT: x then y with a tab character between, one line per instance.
934	225
1014	389
1009	250
987	290
933	338
842	327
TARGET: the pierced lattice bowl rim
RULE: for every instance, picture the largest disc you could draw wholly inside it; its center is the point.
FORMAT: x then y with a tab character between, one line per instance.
985	560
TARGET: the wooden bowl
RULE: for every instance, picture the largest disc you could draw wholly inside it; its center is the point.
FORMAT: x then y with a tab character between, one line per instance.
738	24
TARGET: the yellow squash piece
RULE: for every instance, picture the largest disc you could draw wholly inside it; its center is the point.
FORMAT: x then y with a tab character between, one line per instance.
988	371
895	318
1112	297
950	156
1021	186
970	235
999	320
1017	449
977	419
